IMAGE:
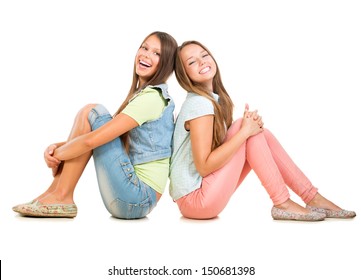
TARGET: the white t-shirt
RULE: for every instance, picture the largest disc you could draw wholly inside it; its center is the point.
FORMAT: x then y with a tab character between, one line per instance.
184	177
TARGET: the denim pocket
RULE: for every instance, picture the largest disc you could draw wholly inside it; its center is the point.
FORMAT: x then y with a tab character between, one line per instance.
129	172
125	210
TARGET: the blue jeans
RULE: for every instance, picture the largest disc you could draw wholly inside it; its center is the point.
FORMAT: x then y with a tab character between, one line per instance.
124	195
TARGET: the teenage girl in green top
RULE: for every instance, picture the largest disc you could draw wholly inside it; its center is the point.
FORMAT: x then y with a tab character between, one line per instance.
131	149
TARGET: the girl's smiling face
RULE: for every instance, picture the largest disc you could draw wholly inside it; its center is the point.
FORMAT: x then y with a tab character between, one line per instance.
147	59
199	65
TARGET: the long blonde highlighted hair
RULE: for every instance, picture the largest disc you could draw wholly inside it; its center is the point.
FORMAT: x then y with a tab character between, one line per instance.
223	109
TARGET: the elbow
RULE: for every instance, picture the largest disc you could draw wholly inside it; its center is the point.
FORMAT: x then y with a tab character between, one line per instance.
203	168
203	172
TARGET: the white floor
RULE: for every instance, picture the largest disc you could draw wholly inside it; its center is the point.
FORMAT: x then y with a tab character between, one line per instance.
244	235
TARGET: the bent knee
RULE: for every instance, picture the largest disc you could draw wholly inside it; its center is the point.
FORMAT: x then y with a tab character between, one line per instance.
86	109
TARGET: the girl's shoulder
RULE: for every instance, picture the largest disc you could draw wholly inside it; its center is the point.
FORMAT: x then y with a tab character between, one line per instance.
161	88
194	103
193	99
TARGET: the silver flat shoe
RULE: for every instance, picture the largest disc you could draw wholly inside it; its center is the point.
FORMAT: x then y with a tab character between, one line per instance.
339	214
279	214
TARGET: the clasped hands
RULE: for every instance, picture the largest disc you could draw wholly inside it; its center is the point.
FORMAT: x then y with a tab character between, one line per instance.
51	161
252	120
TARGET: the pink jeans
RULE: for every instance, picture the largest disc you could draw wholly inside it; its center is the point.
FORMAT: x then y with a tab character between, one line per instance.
273	166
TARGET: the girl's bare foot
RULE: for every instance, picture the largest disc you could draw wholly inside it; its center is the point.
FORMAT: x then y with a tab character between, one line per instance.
55	198
320	202
293	207
323	205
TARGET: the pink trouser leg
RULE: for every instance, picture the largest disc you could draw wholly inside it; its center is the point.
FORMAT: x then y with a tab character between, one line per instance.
291	174
270	162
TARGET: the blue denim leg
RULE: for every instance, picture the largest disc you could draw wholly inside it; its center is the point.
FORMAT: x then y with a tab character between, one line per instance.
124	195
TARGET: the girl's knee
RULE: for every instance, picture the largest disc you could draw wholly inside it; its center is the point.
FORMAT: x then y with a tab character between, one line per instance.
234	128
86	109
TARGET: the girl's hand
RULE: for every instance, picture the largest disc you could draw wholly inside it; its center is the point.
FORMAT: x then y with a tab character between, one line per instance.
246	110
51	161
252	122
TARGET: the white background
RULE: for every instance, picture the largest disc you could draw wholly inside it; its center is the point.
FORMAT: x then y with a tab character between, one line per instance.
297	62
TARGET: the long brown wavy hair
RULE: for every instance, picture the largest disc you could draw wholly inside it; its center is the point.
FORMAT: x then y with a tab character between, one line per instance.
223	109
165	68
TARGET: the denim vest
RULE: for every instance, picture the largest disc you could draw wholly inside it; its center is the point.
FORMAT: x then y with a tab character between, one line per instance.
153	139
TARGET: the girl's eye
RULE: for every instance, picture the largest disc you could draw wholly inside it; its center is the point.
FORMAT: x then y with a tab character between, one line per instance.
191	62
205	55
156	53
